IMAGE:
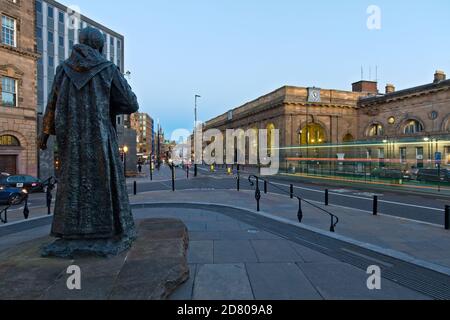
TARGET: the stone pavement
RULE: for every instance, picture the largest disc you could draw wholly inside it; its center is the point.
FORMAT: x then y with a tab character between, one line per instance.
231	260
424	242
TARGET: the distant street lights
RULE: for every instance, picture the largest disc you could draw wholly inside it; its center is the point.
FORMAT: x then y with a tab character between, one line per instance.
125	151
195	131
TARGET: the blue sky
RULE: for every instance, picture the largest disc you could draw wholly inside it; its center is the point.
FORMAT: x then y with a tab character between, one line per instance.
233	51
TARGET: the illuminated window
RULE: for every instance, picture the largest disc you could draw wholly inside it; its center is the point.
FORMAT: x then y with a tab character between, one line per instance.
9	141
313	134
376	130
413	126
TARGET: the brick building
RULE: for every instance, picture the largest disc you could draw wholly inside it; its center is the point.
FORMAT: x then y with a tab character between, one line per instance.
18	150
143	124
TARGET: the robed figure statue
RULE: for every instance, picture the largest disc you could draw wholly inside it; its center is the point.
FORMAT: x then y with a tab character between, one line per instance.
92	212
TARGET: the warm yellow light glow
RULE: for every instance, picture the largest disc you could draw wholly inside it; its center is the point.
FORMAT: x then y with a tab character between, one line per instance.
125	149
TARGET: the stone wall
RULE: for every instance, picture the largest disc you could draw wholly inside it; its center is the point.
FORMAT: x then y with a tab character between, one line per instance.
19	63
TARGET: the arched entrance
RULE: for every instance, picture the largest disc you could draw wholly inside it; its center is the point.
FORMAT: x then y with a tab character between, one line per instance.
9	152
313	134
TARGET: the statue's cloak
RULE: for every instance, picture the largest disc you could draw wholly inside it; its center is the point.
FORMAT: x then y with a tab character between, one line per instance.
92	200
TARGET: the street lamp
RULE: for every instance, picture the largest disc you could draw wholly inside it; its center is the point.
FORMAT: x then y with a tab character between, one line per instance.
125	151
195	131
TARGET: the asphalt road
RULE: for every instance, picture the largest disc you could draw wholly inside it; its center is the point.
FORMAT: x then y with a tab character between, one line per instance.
424	208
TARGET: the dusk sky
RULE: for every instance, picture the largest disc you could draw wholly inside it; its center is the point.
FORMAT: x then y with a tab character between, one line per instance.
231	52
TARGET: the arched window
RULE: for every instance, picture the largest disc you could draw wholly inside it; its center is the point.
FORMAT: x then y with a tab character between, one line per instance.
375	130
348	138
270	127
9	141
312	134
413	126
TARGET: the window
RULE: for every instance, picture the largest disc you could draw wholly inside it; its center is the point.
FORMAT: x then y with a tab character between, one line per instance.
50	37
51	61
39	32
402	155
61	41
9	141
9	92
50	12
413	126
38	6
8	31
61	17
312	134
376	130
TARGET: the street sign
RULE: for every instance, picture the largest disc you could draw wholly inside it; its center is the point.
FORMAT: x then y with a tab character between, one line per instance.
438	157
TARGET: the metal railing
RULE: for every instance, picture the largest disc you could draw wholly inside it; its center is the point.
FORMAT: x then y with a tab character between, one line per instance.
251	178
50	184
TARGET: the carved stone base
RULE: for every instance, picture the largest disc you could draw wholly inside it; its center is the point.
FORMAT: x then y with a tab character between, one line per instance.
70	249
152	269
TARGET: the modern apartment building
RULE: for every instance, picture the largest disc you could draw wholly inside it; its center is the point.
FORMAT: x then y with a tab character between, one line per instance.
57	29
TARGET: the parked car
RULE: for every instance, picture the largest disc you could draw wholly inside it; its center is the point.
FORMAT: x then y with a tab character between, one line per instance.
28	183
412	173
389	173
433	175
12	196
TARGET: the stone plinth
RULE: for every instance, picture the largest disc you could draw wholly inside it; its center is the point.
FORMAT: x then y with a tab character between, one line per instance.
151	270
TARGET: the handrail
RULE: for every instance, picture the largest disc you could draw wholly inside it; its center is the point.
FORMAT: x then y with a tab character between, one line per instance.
5	212
334	218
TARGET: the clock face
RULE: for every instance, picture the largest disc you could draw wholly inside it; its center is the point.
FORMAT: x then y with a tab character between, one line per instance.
314	95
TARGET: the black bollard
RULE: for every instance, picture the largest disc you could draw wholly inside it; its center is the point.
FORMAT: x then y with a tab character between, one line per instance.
26	210
238	183
173	178
300	211
151	172
375	205
265	186
327	197
49	200
292	191
135	188
447	217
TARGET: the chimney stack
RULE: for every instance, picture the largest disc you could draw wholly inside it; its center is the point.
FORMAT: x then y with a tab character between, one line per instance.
390	88
368	87
439	76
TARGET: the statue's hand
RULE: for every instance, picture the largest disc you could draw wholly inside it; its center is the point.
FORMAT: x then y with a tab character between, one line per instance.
42	141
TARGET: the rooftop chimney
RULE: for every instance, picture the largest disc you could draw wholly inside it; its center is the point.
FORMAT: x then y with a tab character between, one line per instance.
439	76
390	88
365	86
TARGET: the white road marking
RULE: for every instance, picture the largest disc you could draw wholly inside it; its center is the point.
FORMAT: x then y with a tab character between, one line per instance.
364	198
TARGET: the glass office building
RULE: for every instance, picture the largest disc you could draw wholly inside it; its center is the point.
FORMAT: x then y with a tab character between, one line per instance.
57	31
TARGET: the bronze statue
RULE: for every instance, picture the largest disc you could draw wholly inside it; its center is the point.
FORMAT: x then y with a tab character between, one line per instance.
92	210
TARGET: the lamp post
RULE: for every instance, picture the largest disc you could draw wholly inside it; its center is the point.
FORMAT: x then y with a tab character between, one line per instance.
195	131
125	151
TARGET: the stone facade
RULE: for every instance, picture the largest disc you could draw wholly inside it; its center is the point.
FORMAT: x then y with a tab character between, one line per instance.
18	65
317	123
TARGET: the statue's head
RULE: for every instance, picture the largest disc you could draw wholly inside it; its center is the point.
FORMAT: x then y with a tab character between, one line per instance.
93	38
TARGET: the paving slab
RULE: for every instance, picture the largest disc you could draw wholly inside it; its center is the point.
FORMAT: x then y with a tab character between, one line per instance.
339	281
285	281
236	251
222	282
275	251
